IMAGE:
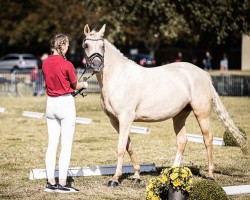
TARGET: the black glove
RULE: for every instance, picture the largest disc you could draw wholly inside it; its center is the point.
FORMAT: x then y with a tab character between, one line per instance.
83	90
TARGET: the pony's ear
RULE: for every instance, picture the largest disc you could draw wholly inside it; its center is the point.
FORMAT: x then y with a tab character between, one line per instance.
102	30
86	30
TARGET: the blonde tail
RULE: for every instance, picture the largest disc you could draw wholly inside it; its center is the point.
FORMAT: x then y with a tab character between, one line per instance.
237	136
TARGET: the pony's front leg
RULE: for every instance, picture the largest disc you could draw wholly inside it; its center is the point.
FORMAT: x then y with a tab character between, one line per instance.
124	130
180	131
130	150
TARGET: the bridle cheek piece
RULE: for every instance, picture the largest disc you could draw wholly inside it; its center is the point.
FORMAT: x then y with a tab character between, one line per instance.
89	59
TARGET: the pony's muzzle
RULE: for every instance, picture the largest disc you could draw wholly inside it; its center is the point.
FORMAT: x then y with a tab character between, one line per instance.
97	64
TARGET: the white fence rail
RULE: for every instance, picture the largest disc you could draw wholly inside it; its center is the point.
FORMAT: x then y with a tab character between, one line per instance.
23	82
232	85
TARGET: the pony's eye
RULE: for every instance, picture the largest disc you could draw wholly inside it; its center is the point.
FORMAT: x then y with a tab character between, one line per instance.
85	46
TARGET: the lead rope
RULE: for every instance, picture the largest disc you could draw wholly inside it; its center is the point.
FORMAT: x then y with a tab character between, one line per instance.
76	92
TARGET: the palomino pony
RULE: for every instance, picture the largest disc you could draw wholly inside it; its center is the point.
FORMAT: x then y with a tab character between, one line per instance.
131	93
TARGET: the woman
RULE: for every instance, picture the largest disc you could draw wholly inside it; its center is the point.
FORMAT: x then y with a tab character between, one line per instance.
61	81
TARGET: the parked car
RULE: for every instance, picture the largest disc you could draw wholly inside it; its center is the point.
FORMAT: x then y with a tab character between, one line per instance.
143	60
18	61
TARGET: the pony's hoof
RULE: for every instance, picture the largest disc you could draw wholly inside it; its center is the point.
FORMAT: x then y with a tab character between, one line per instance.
112	183
136	180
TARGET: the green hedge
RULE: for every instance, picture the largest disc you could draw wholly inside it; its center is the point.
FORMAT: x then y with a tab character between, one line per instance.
207	190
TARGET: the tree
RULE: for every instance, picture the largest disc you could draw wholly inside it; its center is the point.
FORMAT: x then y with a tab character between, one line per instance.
28	23
145	21
11	15
129	22
215	20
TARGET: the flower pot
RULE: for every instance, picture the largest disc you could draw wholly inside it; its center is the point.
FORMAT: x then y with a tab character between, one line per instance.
176	194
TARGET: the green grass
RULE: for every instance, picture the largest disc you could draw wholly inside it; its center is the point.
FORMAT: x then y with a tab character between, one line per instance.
24	142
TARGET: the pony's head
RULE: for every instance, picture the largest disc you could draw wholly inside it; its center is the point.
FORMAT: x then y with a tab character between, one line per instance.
93	46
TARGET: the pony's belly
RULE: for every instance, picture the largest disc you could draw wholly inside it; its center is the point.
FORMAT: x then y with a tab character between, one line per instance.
152	118
159	111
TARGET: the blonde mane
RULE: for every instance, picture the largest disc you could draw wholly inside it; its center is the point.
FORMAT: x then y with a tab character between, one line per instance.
115	55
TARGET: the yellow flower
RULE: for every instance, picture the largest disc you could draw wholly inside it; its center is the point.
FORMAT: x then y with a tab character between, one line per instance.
155	198
188	188
150	186
179	177
150	194
163	179
176	170
184	175
166	171
173	176
177	183
188	171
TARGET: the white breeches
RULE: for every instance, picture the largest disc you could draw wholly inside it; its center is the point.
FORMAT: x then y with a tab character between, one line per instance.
61	116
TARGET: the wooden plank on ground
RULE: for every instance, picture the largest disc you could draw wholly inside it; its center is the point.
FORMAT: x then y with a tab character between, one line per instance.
33	114
81	120
139	129
2	110
199	139
91	171
235	190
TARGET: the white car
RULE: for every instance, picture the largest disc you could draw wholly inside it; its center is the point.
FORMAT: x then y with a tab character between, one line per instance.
18	61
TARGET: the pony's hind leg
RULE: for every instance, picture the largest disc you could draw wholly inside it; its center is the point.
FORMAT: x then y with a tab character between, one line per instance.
130	150
208	139
180	131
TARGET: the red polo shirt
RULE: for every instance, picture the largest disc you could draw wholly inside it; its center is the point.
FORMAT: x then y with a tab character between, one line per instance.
59	74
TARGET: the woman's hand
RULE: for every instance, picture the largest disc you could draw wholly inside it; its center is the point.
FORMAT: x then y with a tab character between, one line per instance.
79	85
85	84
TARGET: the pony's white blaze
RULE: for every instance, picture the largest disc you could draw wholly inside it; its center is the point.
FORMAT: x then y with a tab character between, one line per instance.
131	93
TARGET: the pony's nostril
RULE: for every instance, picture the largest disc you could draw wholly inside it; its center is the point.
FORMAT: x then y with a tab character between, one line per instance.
97	62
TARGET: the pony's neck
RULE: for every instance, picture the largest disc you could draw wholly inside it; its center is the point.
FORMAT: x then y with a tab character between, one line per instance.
112	57
114	60
115	66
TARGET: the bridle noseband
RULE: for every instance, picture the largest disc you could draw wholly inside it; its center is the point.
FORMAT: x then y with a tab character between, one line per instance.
90	59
